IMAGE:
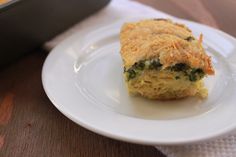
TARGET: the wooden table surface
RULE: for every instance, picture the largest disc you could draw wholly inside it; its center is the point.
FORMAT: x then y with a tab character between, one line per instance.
30	126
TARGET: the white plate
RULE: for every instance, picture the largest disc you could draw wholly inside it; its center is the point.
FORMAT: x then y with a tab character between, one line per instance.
83	78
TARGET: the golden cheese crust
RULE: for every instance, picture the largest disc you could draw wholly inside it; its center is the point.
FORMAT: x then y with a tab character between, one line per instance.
170	42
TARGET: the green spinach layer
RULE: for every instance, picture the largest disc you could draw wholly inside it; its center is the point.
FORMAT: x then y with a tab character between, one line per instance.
193	74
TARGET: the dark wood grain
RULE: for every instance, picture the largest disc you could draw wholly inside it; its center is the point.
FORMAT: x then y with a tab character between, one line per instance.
30	126
33	127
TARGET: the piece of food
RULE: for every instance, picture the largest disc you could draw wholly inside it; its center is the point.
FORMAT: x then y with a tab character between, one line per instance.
163	60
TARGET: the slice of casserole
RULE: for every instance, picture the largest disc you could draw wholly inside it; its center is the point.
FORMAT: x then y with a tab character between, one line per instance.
163	60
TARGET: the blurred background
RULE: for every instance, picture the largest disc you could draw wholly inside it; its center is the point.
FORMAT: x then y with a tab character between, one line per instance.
27	24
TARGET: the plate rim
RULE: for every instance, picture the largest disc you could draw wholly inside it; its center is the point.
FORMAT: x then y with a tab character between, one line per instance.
122	138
